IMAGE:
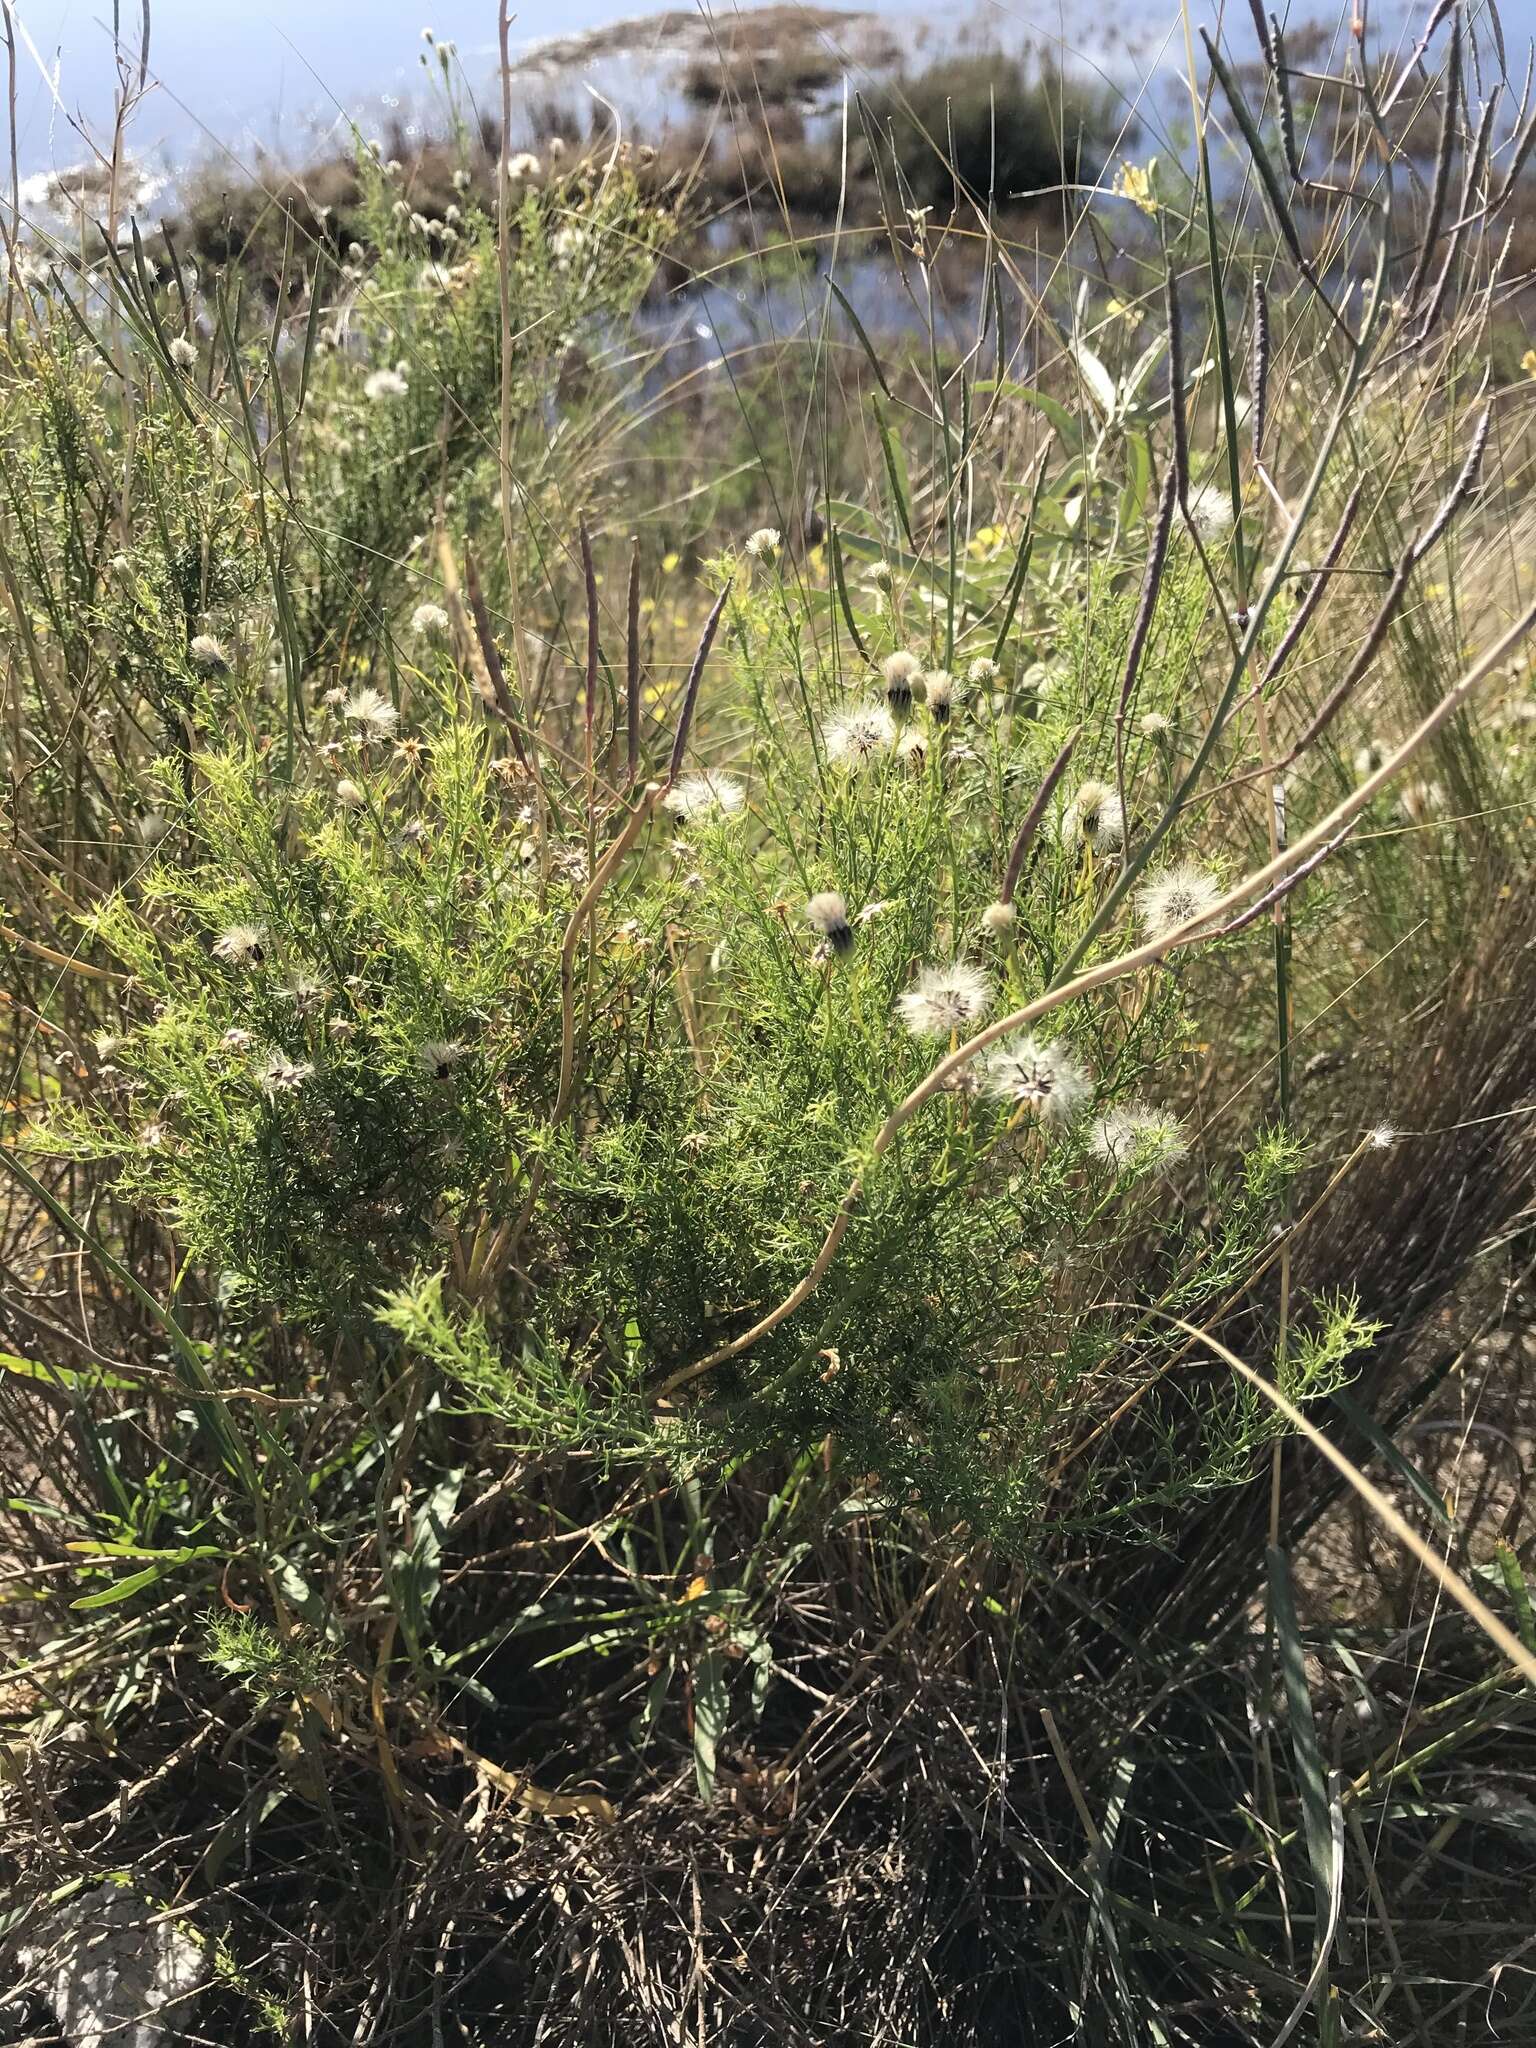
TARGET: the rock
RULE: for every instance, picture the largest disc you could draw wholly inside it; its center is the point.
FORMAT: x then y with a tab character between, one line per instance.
114	1979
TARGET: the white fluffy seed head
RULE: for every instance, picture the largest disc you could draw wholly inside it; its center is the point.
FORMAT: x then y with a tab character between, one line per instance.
859	737
429	622
912	748
939	691
241	945
350	795
1135	1139
1176	896
382	385
184	353
944	1000
705	796
208	655
438	1057
372	713
280	1075
827	914
1210	511
764	545
1043	1076
998	920
1094	818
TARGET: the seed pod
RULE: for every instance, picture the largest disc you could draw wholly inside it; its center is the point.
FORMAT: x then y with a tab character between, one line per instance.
1259	390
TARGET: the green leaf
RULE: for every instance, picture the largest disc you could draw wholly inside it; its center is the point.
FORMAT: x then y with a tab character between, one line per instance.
858	327
1100	384
1385	1449
124	1589
711	1701
1309	1763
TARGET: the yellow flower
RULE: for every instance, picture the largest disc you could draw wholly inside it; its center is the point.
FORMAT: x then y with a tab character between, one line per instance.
1528	362
669	563
1135	184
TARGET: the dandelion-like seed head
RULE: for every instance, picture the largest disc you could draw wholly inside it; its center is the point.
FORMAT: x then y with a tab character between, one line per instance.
1094	818
380	385
764	545
184	353
860	736
982	672
1381	1138
372	713
1045	1077
350	795
438	1057
280	1075
1137	1139
429	622
1210	511
1176	896
900	674
241	945
522	166
705	796
939	688
998	920
944	1000
208	655
912	748
827	914
1153	725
